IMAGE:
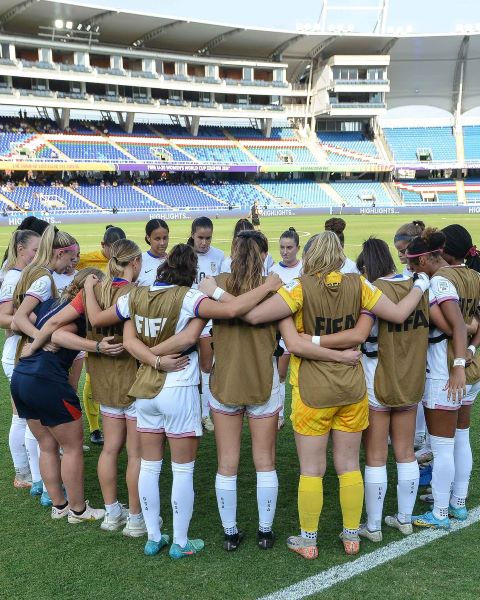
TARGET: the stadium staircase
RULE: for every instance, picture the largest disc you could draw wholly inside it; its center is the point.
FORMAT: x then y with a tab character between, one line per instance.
315	148
460	144
242	147
393	193
153	198
333	194
10	203
270	197
204	191
123	150
460	185
86	200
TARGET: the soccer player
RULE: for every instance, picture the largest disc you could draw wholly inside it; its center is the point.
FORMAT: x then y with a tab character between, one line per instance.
245	225
43	396
404	235
329	398
337	225
210	261
21	251
288	269
456	290
98	259
395	380
156	236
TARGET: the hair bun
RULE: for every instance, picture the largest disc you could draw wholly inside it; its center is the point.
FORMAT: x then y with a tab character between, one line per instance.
420	224
434	238
335	224
292	229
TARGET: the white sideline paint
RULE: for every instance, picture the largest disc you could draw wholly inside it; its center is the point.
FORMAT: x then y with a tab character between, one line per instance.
330	577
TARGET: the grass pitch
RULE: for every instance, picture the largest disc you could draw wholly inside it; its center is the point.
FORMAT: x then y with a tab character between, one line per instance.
48	560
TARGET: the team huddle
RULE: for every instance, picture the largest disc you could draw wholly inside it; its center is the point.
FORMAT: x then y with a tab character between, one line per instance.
184	340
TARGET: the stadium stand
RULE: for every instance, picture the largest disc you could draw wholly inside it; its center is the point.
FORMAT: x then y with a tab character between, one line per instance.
361	193
405	142
471	142
301	192
348	140
183	196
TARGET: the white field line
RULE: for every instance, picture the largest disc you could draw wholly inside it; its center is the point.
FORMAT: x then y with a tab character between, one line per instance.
326	579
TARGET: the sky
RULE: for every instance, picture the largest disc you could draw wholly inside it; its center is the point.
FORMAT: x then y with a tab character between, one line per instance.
424	16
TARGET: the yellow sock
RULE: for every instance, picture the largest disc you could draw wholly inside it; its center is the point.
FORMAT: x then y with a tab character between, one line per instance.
310	502
351	498
91	408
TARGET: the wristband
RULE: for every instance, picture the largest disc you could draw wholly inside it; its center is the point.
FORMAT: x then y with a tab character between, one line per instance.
97	348
459	362
218	293
316	340
157	362
472	349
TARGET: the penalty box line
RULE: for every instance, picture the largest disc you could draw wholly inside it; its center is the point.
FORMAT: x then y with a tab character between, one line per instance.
326	579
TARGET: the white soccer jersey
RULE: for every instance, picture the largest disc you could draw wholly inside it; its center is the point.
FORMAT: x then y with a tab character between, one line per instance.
191	374
41	289
150	264
285	273
407	272
349	267
6	295
268	264
441	290
209	264
62	280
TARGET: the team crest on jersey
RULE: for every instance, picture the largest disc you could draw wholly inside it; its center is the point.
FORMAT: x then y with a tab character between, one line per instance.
213	267
443	286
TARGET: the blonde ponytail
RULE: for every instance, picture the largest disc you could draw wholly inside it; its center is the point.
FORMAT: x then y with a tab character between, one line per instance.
323	254
20	237
78	282
122	253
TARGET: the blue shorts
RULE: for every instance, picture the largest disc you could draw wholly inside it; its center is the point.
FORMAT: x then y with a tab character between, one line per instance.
50	402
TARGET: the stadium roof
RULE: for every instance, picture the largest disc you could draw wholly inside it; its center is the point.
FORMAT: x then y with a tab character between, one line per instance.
424	69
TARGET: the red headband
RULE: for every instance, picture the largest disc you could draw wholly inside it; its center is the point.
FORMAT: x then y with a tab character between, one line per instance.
472	252
423	253
68	248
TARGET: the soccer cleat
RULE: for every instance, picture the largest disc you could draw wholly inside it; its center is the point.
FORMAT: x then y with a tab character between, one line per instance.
96	437
306	548
37	488
59	513
351	542
152	547
419	441
45	499
460	513
113	523
137	528
425	475
89	514
405	528
191	548
232	542
22	480
428	498
424	455
374	536
428	519
265	540
281	422
207	424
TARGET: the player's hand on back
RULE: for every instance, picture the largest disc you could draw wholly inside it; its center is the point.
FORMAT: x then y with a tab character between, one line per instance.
351	357
91	281
208	285
274	282
107	347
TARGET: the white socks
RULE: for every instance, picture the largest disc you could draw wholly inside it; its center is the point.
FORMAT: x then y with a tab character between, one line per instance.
182	500
226	490
463	467
33	453
149	492
420	426
282	396
407	487
205	395
375	490
443	474
267	492
113	510
16	442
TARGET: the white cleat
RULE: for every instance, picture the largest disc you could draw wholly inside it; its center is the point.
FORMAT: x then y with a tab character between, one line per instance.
424	455
60	513
405	528
113	523
137	528
374	536
89	514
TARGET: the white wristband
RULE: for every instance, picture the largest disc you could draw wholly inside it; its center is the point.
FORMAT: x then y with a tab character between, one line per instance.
472	349
459	362
218	293
316	340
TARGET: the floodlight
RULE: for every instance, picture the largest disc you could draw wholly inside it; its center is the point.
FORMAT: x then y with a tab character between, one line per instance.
58	23
69	25
88	27
79	26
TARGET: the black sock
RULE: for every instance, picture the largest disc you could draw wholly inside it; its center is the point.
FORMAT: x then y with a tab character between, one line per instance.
61	506
79	512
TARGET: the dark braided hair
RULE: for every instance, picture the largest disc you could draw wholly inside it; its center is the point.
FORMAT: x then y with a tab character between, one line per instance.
459	244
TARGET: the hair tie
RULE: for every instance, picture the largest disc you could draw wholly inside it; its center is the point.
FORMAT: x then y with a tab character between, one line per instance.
472	251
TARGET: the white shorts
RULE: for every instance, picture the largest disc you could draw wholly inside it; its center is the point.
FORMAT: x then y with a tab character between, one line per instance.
374	404
435	396
206	332
8	370
175	411
281	343
254	411
127	412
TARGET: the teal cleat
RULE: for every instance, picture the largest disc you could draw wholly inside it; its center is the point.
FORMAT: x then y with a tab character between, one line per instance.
152	547
45	499
37	488
458	513
429	520
191	547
